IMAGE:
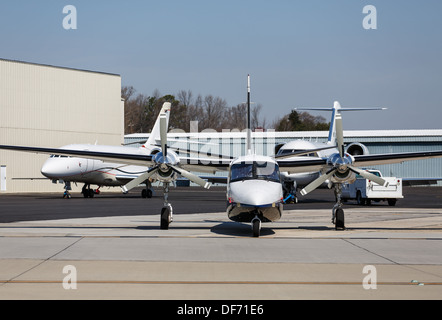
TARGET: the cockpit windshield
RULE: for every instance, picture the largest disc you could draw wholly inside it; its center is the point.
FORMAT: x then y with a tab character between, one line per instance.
289	151
255	170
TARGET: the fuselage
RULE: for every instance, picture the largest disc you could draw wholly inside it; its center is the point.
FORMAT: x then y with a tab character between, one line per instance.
90	171
254	189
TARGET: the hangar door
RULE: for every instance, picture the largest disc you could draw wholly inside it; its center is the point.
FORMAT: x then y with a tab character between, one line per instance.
3	178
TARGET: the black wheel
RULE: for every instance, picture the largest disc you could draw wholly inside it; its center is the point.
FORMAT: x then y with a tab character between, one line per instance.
146	193
256	227
339	216
392	202
165	218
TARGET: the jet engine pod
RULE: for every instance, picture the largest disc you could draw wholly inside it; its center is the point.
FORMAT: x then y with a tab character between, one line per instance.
357	149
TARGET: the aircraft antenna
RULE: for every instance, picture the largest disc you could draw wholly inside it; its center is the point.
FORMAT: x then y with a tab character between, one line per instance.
249	129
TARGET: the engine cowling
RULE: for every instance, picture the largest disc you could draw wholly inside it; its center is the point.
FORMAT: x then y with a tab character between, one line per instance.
357	149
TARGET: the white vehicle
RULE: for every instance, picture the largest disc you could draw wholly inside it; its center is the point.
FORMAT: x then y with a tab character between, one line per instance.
364	191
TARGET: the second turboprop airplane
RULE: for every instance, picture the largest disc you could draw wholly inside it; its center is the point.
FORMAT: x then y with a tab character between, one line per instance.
319	150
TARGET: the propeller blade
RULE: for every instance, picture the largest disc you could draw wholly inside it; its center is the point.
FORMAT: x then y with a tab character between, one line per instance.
203	183
135	182
370	176
163	133
316	183
339	134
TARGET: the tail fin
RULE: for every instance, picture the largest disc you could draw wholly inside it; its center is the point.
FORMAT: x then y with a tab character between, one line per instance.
336	110
155	134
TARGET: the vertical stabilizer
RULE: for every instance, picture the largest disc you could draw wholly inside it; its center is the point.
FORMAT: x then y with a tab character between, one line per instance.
332	130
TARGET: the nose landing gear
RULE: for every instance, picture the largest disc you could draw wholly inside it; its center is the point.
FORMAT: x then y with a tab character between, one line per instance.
256	226
338	218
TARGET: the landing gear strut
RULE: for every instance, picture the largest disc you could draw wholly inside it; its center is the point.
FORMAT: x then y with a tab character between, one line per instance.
147	193
338	218
67	187
166	212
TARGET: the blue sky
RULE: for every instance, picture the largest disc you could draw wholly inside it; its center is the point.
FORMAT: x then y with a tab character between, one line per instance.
298	53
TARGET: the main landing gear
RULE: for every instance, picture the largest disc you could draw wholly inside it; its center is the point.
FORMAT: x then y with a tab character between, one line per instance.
338	218
88	192
166	216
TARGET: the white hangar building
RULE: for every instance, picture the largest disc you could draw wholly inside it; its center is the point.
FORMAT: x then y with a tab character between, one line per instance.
49	106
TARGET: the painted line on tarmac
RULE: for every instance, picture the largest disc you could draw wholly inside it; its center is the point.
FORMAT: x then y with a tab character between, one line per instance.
387	283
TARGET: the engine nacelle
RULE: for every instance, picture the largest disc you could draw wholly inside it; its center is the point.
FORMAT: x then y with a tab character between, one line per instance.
357	149
344	177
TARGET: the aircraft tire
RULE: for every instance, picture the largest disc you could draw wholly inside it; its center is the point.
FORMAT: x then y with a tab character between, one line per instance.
340	224
165	218
256	227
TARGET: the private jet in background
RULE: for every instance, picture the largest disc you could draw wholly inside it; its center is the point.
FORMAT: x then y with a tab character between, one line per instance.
103	173
310	150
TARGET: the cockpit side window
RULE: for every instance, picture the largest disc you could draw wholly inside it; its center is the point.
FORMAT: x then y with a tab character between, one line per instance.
288	151
241	171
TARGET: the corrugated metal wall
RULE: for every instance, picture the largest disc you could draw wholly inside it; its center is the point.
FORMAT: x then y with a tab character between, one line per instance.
50	106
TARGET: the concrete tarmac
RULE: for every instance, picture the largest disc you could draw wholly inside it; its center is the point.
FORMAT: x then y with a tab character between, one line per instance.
385	253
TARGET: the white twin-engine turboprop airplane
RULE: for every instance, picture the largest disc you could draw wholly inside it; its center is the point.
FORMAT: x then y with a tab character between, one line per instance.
291	182
102	173
254	188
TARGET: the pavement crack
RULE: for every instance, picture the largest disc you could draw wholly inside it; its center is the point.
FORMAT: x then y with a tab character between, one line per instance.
40	263
371	252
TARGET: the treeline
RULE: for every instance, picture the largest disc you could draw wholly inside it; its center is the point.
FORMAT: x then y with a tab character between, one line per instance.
211	112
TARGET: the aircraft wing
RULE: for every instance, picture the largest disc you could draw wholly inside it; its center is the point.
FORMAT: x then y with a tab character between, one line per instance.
135	159
204	165
377	159
300	166
420	181
311	165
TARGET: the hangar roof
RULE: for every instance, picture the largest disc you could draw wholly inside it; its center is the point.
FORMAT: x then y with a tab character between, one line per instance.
58	67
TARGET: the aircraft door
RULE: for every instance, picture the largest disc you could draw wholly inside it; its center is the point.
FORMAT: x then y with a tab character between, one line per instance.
83	165
3	178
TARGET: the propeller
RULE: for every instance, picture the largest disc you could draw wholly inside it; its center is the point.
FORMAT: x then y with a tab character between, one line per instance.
165	163
203	183
370	176
318	182
339	134
342	163
137	181
163	133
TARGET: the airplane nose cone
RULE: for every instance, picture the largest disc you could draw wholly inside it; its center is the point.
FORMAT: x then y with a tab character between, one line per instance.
256	192
50	169
46	170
